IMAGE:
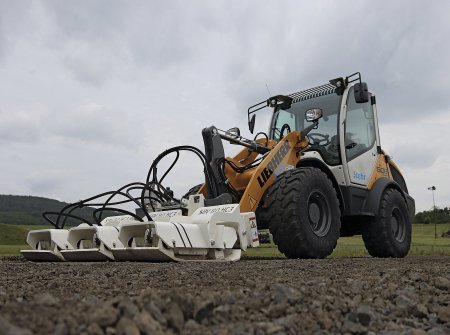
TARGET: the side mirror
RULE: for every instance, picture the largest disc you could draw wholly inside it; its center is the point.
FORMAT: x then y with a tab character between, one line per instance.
361	93
234	132
313	114
251	124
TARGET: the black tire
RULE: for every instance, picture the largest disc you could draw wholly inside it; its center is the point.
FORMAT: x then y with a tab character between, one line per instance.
303	213
262	217
389	233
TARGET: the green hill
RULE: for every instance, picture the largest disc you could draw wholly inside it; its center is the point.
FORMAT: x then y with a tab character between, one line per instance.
27	210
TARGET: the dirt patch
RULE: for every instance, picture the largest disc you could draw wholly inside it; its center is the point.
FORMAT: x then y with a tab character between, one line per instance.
363	295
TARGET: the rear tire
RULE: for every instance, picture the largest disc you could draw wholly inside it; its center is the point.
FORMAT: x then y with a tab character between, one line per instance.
303	213
389	233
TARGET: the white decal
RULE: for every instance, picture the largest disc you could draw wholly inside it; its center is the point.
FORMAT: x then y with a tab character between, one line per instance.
165	214
222	209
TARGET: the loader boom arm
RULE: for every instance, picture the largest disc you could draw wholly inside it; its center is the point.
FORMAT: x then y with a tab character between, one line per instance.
279	158
282	157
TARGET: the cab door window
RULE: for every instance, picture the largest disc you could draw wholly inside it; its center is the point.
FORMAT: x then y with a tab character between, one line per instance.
284	117
359	127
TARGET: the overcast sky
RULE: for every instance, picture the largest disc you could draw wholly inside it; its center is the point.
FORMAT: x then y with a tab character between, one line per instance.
92	91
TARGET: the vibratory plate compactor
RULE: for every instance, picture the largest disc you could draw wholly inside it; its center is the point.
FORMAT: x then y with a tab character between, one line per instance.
162	228
209	233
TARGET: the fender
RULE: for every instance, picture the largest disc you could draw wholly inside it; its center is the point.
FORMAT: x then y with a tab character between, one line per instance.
317	163
376	192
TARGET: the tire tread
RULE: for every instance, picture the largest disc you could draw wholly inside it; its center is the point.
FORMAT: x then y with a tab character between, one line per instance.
286	220
377	233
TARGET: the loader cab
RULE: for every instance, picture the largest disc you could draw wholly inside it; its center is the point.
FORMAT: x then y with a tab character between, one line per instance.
346	138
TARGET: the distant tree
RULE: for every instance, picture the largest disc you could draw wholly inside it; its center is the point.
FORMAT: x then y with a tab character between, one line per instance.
436	215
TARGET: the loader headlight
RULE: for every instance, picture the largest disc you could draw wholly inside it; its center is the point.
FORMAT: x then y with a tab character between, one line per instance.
313	114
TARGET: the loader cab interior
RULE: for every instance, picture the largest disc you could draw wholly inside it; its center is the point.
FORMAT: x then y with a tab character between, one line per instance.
324	139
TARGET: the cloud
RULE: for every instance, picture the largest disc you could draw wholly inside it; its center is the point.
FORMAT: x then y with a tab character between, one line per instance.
8	25
20	126
47	181
89	65
93	124
89	124
408	155
101	87
419	147
2	41
136	38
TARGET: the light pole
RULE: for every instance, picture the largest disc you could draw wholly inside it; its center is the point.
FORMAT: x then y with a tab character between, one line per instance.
432	189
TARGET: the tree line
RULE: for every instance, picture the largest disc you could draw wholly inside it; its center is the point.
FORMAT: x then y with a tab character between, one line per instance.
435	215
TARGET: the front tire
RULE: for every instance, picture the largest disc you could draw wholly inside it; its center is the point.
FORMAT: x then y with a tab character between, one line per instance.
389	233
303	213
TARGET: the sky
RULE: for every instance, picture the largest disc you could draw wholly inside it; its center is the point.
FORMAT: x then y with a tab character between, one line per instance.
92	91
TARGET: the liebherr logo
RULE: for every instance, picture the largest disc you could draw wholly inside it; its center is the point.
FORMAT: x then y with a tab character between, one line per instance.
273	164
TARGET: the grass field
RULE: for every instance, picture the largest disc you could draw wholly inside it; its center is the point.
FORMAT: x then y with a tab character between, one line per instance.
13	239
12	250
423	243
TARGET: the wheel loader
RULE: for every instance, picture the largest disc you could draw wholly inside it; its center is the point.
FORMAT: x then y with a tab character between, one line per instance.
318	173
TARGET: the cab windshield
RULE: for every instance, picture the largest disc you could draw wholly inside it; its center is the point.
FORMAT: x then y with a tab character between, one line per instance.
325	138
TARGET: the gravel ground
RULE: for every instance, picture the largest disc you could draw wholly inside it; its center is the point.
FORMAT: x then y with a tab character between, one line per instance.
358	295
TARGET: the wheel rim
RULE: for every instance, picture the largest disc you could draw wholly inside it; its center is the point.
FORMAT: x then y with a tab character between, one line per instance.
319	213
398	225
